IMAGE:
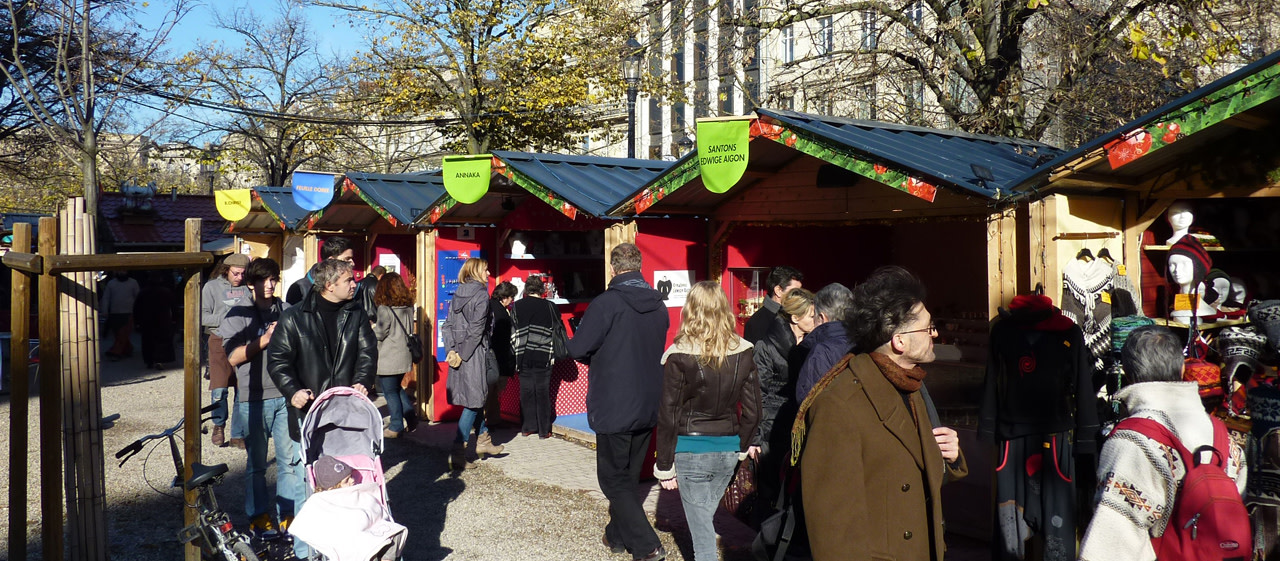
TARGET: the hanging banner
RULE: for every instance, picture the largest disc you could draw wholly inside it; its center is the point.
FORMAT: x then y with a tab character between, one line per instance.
722	152
466	178
233	204
312	190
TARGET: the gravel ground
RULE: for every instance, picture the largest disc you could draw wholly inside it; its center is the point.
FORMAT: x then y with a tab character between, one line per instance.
478	514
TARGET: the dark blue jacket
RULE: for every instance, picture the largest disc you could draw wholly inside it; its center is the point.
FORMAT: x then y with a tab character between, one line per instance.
825	346
621	338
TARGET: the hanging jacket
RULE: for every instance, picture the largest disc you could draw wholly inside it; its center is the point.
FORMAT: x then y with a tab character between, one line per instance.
1038	377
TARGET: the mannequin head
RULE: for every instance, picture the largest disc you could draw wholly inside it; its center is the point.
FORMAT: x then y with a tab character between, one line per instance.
1182	272
1217	287
1180	216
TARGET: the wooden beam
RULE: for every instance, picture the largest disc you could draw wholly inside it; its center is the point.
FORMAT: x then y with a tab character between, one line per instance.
1086	179
127	262
19	392
21	260
426	292
1249	121
51	514
1002	261
191	339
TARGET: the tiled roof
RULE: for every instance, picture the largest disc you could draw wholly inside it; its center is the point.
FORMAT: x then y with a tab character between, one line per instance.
165	225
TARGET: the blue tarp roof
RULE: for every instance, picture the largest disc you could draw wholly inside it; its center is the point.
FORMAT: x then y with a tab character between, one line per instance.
279	202
404	196
940	154
592	183
1036	177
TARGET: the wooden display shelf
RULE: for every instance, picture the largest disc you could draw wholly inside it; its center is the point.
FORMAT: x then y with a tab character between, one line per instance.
1202	326
544	256
1166	247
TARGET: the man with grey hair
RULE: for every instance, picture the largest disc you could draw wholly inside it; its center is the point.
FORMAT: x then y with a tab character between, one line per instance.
1139	479
621	338
823	347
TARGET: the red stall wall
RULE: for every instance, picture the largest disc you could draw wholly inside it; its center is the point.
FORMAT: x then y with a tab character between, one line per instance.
673	244
825	254
403	246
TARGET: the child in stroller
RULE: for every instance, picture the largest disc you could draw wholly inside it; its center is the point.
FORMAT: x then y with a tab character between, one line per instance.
347	517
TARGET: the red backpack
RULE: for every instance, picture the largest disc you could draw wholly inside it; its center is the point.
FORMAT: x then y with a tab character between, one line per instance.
1209	520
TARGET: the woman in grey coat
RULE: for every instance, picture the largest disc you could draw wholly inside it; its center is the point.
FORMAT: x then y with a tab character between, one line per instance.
393	321
466	337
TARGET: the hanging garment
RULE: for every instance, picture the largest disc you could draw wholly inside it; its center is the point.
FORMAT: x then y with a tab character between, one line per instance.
1039	409
1084	284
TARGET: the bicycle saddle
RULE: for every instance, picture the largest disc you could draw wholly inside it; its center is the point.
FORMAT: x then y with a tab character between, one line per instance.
202	474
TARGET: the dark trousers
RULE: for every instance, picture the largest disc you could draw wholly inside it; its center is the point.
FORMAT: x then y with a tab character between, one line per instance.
535	400
619	458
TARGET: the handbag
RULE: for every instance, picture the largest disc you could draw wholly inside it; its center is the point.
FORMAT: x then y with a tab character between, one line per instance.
559	338
412	340
740	497
783	535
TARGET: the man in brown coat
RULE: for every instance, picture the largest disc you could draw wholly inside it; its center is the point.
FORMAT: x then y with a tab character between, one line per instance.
871	464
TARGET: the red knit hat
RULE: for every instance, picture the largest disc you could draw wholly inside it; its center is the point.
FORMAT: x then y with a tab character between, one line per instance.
1205	374
1188	246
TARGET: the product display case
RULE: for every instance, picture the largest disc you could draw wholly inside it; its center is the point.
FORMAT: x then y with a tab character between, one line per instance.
572	262
745	288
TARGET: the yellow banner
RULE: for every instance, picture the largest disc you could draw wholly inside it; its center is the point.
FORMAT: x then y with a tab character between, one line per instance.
233	204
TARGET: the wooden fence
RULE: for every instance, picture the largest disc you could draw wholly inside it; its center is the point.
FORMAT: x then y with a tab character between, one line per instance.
63	268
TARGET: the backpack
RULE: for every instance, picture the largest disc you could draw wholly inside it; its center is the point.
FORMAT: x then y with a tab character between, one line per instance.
1208	519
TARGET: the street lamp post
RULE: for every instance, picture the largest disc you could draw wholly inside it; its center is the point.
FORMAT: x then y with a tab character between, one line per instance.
631	74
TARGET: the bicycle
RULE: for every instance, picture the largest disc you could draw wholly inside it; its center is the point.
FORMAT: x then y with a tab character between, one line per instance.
212	531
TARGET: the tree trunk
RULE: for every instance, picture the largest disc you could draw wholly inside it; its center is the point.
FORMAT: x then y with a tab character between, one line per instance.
89	170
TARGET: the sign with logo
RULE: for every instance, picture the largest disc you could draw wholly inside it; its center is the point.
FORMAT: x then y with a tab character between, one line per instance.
312	190
673	286
722	152
466	178
233	204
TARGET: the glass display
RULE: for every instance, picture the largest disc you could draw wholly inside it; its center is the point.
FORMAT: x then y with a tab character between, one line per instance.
745	289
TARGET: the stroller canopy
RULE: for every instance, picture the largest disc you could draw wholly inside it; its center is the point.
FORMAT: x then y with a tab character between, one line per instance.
342	422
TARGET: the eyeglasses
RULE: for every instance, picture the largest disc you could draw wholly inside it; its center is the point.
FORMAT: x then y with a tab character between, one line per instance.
933	331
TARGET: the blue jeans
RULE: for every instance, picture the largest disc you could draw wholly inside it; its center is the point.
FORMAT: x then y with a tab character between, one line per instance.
398	406
219	415
471	418
261	420
702	479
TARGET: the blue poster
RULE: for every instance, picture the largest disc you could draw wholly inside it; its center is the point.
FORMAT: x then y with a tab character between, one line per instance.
448	265
311	190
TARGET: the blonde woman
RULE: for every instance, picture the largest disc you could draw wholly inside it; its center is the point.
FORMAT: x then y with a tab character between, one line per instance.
471	360
709	410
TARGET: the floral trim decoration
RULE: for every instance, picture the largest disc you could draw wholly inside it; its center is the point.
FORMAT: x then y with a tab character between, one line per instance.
537	189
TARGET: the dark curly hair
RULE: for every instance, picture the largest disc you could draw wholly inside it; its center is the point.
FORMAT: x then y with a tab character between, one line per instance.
881	305
391	291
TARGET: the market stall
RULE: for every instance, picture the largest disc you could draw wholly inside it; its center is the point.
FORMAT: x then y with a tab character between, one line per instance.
542	214
269	230
836	198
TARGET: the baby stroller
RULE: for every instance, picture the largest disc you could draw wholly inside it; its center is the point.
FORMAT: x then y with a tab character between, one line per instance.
351	523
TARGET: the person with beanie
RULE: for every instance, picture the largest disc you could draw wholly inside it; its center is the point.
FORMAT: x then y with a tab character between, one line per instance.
224	291
1189	264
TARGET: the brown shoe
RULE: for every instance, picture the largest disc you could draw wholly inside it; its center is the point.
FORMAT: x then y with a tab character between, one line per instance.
237	442
486	447
657	555
388	433
218	436
604	539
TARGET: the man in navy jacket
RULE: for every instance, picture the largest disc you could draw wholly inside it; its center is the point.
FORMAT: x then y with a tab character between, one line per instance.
621	338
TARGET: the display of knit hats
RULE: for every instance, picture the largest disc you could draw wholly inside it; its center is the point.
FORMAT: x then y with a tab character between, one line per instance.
1205	374
1241	347
1121	327
1264	458
1234	305
1265	315
1189	247
1216	293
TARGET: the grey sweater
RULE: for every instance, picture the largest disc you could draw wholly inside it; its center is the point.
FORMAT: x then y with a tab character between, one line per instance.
391	329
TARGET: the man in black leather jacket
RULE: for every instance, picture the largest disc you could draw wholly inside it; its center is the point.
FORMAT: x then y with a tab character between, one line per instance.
324	341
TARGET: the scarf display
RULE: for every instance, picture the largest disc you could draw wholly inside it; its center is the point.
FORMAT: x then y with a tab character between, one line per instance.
1083	286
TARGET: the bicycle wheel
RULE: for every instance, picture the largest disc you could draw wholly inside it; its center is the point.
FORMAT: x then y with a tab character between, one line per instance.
242	552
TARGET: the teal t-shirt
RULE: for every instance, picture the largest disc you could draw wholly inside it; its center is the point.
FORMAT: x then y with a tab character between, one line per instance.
702	444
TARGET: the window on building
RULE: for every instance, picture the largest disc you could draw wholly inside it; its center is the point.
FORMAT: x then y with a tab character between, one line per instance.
825	41
915	13
727	107
913	101
866	99
870	32
787	44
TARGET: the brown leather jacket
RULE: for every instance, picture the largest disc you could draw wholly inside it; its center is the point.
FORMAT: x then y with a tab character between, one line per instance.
704	400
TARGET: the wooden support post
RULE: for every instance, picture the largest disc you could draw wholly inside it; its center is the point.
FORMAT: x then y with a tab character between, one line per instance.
19	392
1136	221
1002	260
51	515
426	293
191	369
614	235
81	391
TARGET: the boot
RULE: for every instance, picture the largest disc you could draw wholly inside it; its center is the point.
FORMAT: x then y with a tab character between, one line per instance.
486	447
458	457
218	436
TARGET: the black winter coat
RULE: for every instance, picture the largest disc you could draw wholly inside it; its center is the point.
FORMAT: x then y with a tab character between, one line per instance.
777	385
702	400
621	338
299	356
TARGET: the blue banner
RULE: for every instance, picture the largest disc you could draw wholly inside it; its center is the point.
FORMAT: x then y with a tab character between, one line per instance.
311	190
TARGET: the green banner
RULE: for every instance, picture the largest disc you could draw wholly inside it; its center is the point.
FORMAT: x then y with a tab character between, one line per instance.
722	152
466	178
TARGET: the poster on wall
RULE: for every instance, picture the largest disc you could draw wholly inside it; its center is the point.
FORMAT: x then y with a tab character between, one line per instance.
673	286
448	264
390	261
